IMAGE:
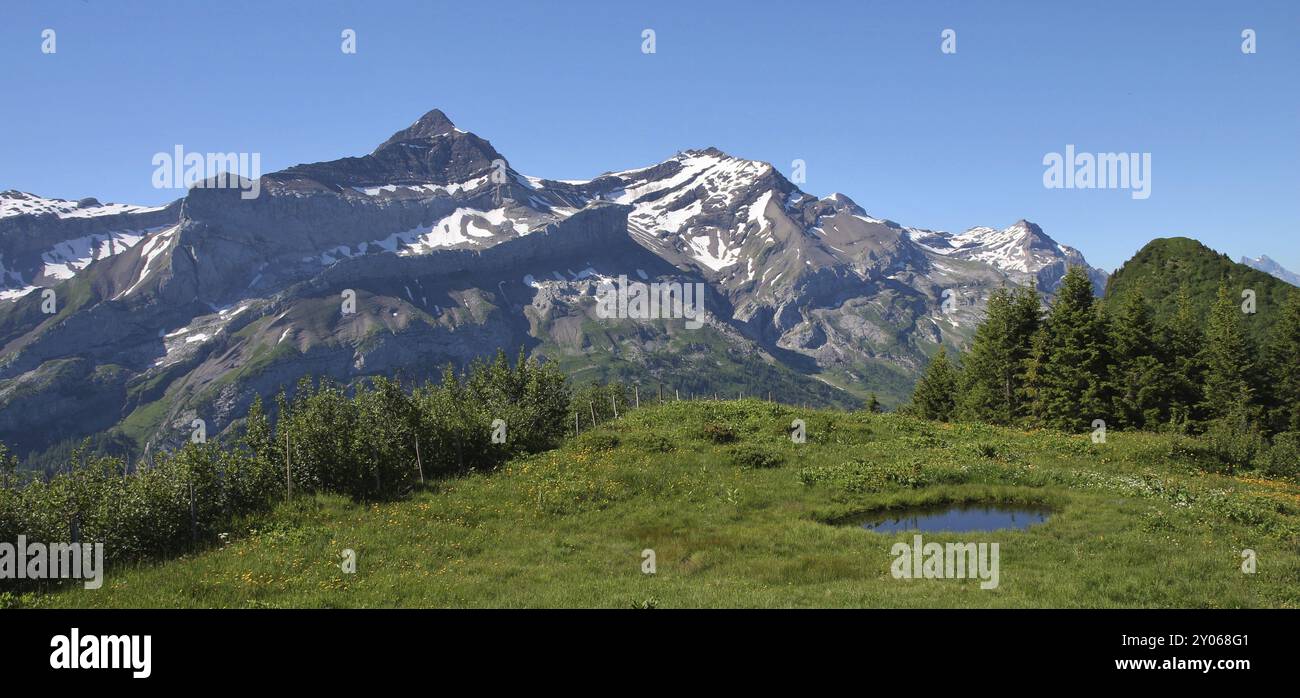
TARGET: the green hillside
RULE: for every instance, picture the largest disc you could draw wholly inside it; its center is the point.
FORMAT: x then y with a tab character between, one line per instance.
739	515
1165	265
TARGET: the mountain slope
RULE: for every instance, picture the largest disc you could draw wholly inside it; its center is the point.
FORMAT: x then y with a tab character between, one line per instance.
447	254
1022	250
44	241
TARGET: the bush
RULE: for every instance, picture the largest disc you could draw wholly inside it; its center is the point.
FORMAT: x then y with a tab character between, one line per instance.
183	498
719	433
9	528
859	476
1234	443
992	451
363	446
532	399
366	446
597	441
652	443
1283	458
754	457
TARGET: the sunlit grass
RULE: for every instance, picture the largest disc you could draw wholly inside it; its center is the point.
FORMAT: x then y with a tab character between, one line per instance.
1136	523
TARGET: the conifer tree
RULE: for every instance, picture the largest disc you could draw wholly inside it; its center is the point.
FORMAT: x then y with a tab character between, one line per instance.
1039	351
1228	357
1074	383
935	396
1181	340
1141	388
1283	370
992	387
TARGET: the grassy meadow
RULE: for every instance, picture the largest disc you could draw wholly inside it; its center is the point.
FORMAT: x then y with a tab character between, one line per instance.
740	516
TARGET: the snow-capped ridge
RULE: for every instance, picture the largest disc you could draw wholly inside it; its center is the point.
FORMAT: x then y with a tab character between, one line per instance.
16	203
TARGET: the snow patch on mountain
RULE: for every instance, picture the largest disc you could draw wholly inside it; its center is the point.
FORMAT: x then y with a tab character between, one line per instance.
152	250
464	226
16	203
67	258
451	189
713	253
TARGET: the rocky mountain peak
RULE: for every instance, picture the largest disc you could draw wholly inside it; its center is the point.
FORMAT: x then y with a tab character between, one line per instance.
430	151
433	124
710	151
840	202
1029	227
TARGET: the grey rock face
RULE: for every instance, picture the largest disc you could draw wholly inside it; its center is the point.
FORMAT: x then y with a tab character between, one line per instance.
46	241
449	254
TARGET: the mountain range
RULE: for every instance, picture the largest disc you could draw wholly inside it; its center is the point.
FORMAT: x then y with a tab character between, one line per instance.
170	313
1266	264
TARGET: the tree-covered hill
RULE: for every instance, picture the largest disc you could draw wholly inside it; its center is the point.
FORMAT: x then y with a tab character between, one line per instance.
1167	266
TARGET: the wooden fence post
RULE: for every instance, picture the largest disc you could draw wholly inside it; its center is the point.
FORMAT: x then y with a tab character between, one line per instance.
637	392
614	402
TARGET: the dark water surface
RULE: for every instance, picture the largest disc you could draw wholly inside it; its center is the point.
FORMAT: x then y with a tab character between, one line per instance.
959	518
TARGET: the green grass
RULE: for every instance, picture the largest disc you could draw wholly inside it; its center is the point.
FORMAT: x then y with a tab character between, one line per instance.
1136	523
143	420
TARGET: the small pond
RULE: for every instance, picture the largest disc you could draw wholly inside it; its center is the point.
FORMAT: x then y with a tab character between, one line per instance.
955	518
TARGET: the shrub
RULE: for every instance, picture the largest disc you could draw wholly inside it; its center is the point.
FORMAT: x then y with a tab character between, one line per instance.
653	443
754	458
992	451
1234	443
719	433
1283	457
9	528
363	446
532	398
598	441
923	441
858	476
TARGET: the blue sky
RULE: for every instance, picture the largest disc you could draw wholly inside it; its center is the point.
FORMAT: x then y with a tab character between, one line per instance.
858	90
